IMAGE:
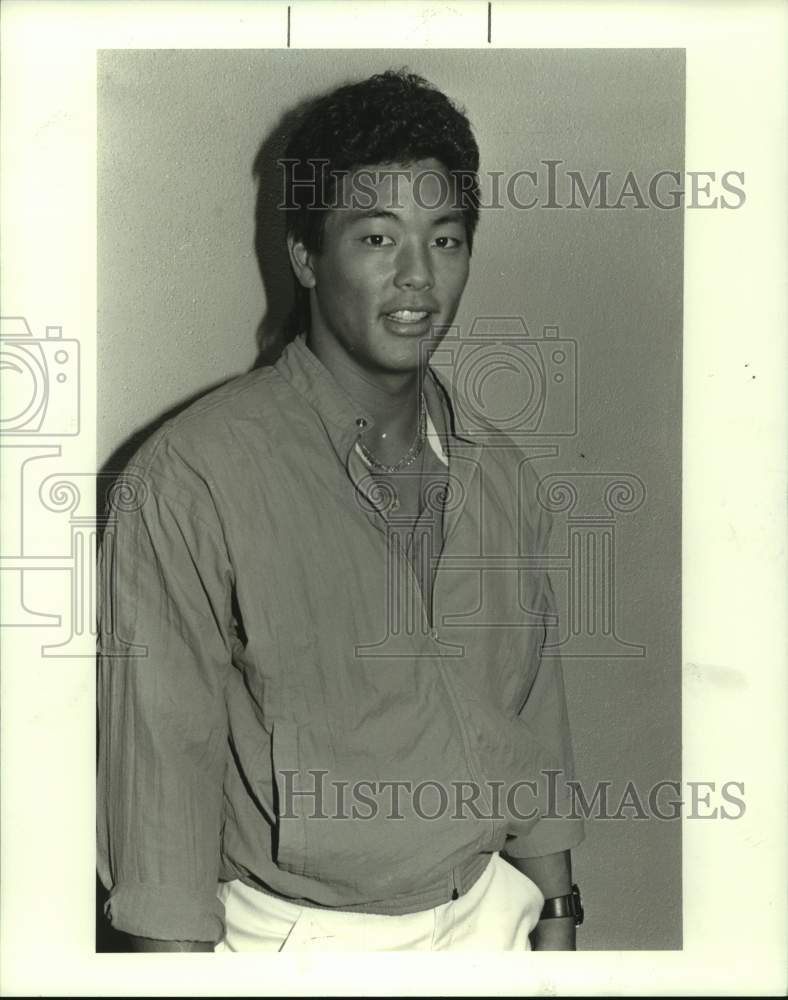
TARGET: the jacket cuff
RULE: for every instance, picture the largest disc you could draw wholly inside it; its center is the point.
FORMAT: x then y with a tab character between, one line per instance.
549	836
165	912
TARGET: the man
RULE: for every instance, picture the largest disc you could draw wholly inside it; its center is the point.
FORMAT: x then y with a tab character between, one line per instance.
339	730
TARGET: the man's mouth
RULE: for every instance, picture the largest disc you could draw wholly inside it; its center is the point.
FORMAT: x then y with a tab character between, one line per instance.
408	315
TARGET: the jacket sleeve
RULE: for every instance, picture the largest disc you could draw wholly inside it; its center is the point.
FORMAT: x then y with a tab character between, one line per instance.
559	826
164	655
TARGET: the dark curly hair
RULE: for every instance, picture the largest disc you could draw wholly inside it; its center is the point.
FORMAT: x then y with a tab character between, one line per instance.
394	117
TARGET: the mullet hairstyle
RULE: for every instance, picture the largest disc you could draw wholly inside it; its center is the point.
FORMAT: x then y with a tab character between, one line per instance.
394	117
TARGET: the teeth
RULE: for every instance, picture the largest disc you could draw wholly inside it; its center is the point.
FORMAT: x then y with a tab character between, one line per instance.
408	316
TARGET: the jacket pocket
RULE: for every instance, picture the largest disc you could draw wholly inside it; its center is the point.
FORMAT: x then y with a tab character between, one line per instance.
517	667
337	822
290	846
308	839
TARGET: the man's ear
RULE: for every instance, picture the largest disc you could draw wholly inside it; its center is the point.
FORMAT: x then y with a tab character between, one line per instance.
301	261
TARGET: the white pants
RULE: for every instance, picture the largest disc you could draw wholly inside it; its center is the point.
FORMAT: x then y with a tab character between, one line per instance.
497	914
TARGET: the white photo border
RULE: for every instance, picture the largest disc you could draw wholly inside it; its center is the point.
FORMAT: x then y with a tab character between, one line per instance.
734	464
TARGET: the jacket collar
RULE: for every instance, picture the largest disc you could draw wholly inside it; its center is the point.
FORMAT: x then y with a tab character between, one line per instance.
343	418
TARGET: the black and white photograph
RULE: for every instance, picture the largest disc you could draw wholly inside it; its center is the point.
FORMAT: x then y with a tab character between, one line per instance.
384	569
309	612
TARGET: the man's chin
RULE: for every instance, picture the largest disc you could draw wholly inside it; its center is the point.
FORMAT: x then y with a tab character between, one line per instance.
410	351
409	361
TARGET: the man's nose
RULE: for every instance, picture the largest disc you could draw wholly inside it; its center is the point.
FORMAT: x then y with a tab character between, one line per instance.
414	268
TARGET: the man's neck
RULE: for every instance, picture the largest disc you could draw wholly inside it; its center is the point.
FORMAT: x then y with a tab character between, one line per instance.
391	400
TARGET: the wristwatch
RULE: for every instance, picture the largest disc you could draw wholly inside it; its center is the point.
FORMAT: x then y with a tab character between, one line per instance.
564	906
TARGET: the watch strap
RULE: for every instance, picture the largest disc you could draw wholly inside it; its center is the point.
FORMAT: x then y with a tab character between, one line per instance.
564	906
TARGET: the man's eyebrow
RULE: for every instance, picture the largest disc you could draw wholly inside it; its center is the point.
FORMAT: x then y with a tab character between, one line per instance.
356	214
455	215
372	213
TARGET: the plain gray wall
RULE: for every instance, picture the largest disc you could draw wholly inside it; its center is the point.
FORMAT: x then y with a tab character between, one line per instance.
180	300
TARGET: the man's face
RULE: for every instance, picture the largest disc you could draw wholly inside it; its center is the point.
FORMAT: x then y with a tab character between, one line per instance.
390	272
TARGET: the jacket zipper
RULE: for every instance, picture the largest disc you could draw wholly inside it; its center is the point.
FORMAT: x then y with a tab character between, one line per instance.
428	615
454	891
466	743
469	754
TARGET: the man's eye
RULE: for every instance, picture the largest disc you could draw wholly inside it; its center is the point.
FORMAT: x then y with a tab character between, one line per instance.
447	242
377	240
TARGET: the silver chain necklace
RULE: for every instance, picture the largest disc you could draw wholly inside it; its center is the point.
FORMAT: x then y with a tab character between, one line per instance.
410	455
